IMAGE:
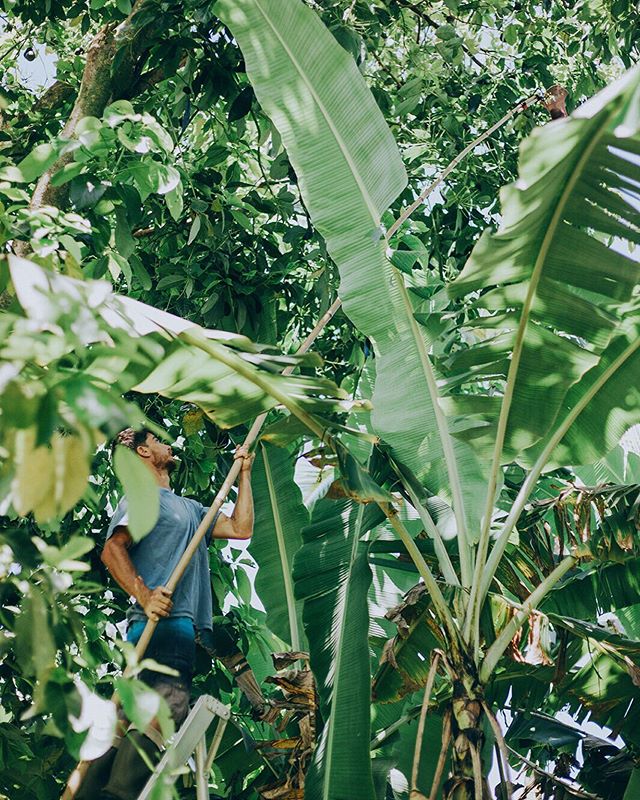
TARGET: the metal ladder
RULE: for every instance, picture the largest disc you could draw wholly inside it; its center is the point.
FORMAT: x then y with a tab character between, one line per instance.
191	738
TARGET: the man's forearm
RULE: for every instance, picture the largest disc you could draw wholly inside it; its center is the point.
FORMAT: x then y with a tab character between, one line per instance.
242	516
155	602
119	564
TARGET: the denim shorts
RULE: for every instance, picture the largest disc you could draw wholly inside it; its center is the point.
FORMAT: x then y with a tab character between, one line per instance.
173	644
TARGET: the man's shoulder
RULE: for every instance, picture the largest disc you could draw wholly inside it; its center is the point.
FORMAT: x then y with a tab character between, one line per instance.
169	499
119	517
175	507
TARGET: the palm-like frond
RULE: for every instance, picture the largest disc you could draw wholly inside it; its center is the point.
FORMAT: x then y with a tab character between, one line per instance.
560	334
349	171
232	379
280	516
552	285
332	578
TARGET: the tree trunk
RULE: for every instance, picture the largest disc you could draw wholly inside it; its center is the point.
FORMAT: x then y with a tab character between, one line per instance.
94	94
467	780
98	86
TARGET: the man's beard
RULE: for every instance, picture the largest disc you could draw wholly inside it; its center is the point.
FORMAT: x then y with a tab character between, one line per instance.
170	465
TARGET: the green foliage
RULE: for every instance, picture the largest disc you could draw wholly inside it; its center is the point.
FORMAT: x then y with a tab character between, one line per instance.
237	179
125	345
141	705
567	200
280	517
332	578
141	491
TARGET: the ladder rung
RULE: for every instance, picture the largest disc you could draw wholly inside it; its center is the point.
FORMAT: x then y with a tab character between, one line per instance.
185	740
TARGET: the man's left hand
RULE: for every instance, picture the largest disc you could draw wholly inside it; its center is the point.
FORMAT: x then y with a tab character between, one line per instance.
247	458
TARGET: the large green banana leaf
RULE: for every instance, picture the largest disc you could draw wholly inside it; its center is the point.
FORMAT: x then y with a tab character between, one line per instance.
633	787
280	516
553	281
584	595
630	619
332	578
607	398
349	171
596	589
607	689
595	673
619	466
137	347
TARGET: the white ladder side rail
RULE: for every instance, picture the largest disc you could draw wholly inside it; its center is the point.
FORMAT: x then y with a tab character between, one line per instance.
189	738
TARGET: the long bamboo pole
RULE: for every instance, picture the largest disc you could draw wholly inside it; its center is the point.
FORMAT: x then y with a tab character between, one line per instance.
77	776
521	106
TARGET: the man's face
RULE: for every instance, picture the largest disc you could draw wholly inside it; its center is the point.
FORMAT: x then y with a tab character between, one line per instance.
160	454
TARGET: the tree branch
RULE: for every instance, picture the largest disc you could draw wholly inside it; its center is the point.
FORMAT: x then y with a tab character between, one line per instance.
553	778
430	21
96	89
149	79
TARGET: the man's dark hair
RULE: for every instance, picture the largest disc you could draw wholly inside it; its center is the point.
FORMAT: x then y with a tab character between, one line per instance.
131	438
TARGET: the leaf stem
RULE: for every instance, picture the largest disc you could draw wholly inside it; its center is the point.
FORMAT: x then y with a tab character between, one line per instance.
464	548
196	338
444	562
495	652
477	772
553	778
381	737
439	603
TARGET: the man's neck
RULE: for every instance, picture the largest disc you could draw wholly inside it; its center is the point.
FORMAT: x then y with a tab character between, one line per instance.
161	477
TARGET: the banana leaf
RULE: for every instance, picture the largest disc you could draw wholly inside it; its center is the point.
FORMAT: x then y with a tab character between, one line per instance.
349	171
134	346
596	589
607	690
554	285
332	578
280	516
633	787
630	619
530	729
625	651
610	399
618	466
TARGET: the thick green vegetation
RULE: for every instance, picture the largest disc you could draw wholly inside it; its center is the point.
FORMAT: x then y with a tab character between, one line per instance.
178	208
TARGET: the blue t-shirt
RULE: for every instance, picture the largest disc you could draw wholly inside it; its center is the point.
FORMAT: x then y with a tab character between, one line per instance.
156	556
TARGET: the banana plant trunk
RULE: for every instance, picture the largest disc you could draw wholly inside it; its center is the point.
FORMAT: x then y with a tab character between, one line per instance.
468	771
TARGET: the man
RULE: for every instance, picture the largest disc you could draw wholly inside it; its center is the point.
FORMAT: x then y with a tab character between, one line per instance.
184	619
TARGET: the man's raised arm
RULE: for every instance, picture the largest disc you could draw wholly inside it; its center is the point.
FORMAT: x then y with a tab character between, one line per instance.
240	524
